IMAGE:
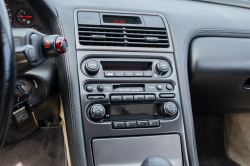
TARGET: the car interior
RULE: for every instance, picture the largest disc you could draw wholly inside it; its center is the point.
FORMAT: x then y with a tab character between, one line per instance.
124	83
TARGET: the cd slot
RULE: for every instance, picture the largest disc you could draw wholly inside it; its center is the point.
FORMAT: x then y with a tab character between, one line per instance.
129	88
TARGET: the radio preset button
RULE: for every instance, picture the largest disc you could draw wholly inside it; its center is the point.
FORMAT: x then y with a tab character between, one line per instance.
118	125
89	88
129	74
142	123
153	123
159	87
119	73
127	98
109	73
138	98
149	98
116	98
130	124
148	73
138	73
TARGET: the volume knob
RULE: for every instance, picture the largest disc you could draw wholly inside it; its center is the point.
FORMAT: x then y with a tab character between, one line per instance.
162	67
97	111
92	67
169	109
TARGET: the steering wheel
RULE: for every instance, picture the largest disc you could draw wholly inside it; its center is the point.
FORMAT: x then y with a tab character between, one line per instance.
7	72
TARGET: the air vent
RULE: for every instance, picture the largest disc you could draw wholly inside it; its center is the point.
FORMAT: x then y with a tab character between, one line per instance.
119	36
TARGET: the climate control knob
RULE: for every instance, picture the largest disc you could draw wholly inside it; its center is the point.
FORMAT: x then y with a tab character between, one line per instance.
92	67
162	67
169	109
97	111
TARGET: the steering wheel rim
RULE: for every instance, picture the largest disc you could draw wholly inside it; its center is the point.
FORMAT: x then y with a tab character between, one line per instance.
7	72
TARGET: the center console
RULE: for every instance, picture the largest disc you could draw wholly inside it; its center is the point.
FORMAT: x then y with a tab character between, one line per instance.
130	98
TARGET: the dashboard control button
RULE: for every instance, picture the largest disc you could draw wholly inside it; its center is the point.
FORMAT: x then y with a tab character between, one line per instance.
89	88
92	67
169	109
130	124
119	73
100	88
149	98
148	73
118	125
169	87
127	98
159	87
61	45
162	67
138	73
142	123
95	97
116	98
138	98
167	95
129	74
153	123
109	73
97	111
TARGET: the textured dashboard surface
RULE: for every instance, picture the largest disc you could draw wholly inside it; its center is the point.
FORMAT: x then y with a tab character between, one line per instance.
186	19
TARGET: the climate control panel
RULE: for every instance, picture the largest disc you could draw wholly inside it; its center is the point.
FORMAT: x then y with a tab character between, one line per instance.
126	68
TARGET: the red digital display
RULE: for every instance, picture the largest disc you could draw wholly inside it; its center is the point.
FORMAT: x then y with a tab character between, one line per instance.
119	21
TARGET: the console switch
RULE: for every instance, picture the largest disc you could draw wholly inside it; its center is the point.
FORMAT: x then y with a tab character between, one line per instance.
109	73
116	98
129	74
118	125
127	98
142	123
138	73
148	74
130	124
149	98
153	123
167	95
138	98
119	73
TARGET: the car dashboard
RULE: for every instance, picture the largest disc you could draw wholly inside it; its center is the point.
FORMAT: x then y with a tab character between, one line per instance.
134	74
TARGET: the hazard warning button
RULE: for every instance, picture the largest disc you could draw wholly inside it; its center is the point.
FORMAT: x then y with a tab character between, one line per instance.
53	45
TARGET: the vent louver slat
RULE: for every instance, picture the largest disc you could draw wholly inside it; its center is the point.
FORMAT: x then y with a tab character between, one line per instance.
123	36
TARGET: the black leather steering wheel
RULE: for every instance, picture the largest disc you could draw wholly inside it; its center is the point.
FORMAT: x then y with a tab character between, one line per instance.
7	72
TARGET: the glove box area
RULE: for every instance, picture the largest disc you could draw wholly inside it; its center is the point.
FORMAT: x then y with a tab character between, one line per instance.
219	72
132	151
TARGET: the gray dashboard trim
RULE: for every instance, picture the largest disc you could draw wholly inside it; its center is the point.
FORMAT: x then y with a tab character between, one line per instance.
238	3
110	48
